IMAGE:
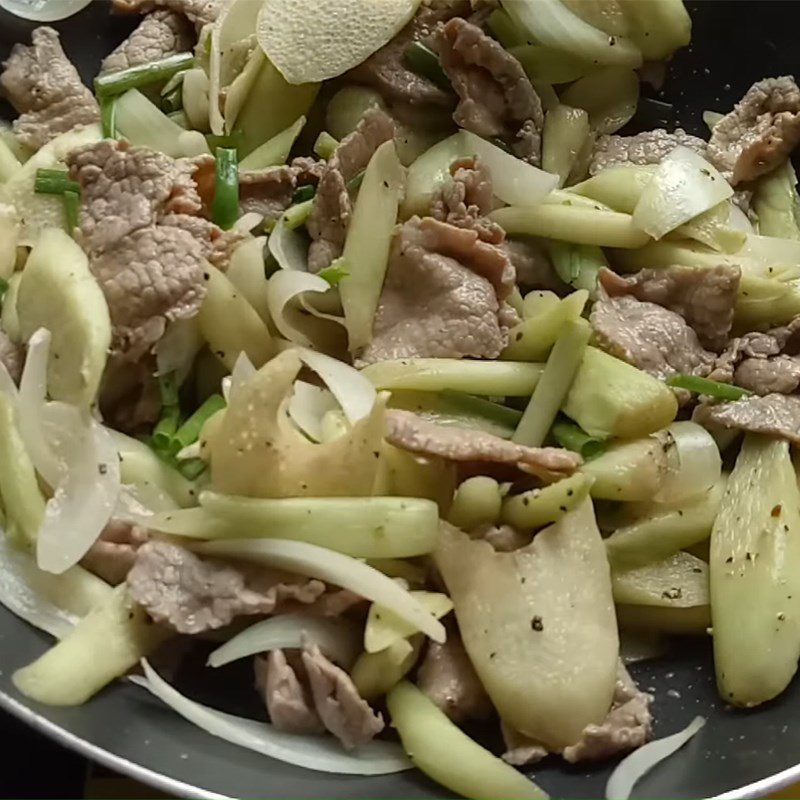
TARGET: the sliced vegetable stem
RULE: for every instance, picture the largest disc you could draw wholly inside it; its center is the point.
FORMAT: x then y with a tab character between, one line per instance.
226	191
54	181
694	383
425	62
189	432
141	75
573	437
326	145
71	209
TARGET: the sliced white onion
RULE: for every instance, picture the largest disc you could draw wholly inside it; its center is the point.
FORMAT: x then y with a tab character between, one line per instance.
85	497
190	451
739	220
514	181
320	753
641	761
283	288
248	221
353	391
307	406
243	370
7	385
177	348
331	567
44	10
288	248
771	251
337	638
20	599
683	186
695	464
32	395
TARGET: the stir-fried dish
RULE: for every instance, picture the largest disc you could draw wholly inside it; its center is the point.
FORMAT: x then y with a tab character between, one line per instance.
354	339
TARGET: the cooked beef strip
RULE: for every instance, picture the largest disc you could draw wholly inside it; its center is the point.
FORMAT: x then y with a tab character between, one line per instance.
773	414
198	12
642	149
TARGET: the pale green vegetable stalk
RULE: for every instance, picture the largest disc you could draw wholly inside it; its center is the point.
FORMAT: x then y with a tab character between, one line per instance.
548	65
577	264
276	150
326	145
347	107
559	372
488	378
565	131
362	527
538	625
23	501
476	502
609	95
607	15
9	321
246	273
660	530
545	318
711	228
617	187
369	239
538	507
679	581
505	30
576	224
384	628
9	236
611	398
551	23
104	645
629	471
755	575
143	124
195	98
9	163
659	27
776	203
448	756
374	674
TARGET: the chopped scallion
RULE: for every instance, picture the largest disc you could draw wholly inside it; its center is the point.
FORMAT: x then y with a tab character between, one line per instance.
226	190
192	469
303	194
189	432
108	116
325	146
425	62
116	83
72	203
54	181
335	272
572	437
694	383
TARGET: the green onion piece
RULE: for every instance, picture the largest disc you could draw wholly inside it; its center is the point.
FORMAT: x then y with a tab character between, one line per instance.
480	406
142	75
325	146
108	116
165	430
226	190
425	62
192	469
168	388
572	437
72	202
303	194
354	184
505	30
173	101
189	432
694	383
296	215
335	272
54	181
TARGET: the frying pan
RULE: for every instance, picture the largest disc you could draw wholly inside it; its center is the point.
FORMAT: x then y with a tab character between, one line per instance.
737	755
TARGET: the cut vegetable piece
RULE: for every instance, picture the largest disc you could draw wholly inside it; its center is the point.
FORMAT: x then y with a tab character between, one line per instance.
104	645
629	471
694	462
246	272
477	501
428	173
777	204
340	570
225	209
195	98
448	756
658	27
574	438
489	378
276	150
369	238
538	507
57	291
548	65
565	131
230	324
374	674
607	15
9	236
712	229
612	398
44	12
538	625
618	187
658	531
505	30
679	581
559	373
384	628
577	264
110	84
572	223
689	621
683	186
755	575
321	40
609	95
551	23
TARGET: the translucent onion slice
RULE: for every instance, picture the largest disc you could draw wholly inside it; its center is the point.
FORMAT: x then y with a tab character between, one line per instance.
695	463
739	220
320	753
308	405
85	497
243	370
44	10
353	391
288	248
336	568
283	288
641	761
337	638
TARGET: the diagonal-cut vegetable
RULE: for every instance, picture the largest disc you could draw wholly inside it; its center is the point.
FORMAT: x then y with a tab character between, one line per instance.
384	628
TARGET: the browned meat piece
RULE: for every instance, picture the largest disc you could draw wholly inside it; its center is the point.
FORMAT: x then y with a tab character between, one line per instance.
448	678
159	35
644	148
760	132
765	376
114	553
198	12
130	398
415	434
520	750
288	700
193	595
648	336
269	191
12	355
46	90
341	708
627	725
386	69
443	295
147	246
532	266
705	298
496	98
330	218
774	415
